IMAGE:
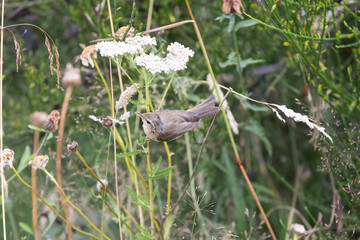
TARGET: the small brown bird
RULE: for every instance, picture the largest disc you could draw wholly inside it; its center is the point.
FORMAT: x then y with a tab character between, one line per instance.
167	125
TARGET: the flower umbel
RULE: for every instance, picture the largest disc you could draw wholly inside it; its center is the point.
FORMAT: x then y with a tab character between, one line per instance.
175	60
39	162
7	157
132	45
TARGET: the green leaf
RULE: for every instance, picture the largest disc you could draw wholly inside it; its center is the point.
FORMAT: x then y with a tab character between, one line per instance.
135	102
36	128
26	228
128	154
254	107
50	136
231	60
231	23
25	158
222	17
163	173
244	63
259	131
245	23
141	200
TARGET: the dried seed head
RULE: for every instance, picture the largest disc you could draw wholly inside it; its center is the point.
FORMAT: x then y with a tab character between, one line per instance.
52	123
107	121
230	6
127	94
71	76
121	31
72	147
99	186
297	228
86	55
39	162
7	157
38	119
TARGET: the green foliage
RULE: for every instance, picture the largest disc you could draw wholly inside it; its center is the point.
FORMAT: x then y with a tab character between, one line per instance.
156	174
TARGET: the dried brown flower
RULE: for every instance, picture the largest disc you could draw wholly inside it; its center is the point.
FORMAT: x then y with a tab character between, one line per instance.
127	94
38	119
86	55
230	6
121	31
72	147
107	121
52	123
71	76
39	162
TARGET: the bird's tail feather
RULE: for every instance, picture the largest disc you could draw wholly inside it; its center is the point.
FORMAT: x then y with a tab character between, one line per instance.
206	108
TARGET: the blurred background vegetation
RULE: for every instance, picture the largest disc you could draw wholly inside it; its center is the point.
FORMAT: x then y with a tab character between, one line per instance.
302	54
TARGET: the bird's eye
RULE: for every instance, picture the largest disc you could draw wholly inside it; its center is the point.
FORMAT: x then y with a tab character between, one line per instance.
147	121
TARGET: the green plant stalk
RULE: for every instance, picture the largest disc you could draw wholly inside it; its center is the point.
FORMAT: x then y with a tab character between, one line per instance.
117	135
151	199
342	36
52	209
166	90
149	16
136	185
103	185
76	208
114	144
1	119
128	161
227	124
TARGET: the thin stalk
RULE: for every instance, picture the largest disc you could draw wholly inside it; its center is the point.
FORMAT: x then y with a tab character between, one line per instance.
33	192
102	79
1	119
58	154
52	209
106	189
169	188
151	199
115	158
76	208
237	156
149	16
166	90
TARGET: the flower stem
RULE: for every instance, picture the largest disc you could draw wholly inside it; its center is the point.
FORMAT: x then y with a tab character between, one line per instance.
58	153
237	156
76	208
33	193
166	90
151	199
52	209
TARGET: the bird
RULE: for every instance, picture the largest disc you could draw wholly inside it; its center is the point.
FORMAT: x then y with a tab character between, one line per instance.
167	125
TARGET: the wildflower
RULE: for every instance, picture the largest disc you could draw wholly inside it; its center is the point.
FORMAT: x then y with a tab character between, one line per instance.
125	116
71	76
7	157
297	229
99	186
230	6
38	119
121	31
39	162
108	121
175	60
298	118
52	123
132	45
72	147
127	94
86	55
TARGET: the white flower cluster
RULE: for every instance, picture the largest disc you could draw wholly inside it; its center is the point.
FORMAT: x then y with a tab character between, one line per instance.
175	60
7	157
298	118
39	162
132	45
108	121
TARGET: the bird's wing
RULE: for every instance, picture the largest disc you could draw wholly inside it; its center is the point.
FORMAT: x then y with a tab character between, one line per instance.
175	130
178	116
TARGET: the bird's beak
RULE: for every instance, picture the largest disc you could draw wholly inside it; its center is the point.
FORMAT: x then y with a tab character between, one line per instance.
140	115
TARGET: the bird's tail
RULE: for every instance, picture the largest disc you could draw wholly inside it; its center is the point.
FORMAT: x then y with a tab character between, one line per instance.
206	108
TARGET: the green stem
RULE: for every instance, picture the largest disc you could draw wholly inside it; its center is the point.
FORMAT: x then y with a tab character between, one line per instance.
76	208
103	80
52	209
166	90
150	192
